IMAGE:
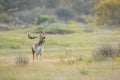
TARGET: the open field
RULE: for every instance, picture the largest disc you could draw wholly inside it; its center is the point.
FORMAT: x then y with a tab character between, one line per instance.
53	69
82	39
77	47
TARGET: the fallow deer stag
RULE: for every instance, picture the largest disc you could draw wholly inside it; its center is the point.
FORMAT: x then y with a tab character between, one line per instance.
38	46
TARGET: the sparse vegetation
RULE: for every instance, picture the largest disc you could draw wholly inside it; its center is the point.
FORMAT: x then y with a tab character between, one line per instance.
21	61
84	71
45	18
117	50
105	52
58	31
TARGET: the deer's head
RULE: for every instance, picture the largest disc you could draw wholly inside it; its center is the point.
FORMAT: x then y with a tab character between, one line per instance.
42	37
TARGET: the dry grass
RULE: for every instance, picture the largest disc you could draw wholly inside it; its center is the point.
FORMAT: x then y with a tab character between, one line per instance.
52	69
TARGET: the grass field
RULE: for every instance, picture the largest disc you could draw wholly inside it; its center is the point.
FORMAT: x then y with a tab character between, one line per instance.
77	47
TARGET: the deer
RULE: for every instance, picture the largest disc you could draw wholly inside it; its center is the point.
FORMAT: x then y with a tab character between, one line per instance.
38	46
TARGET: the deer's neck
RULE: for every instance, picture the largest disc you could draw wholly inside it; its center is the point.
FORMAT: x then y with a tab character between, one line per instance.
40	42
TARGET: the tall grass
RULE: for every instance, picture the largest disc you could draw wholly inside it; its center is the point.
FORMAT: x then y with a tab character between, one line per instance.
21	61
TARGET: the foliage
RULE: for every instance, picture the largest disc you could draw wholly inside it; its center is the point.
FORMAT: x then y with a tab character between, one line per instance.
63	9
52	30
118	51
108	12
84	6
1	8
5	18
51	3
58	31
84	71
72	24
45	18
4	27
81	18
91	20
64	14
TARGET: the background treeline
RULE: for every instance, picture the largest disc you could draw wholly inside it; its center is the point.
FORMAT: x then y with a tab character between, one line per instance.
39	11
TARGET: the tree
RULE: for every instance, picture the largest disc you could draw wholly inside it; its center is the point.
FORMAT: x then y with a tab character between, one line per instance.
64	14
44	18
51	3
108	11
64	9
1	8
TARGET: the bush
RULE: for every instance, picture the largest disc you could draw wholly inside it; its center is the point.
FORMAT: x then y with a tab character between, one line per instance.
107	51
5	18
45	18
81	18
21	61
84	71
72	24
108	12
104	52
4	27
58	31
118	51
52	30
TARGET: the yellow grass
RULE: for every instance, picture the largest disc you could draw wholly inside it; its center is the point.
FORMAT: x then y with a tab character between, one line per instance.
53	69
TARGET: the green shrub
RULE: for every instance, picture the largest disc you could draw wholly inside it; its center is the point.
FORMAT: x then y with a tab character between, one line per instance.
118	51
6	27
81	19
5	18
84	71
44	18
52	30
58	31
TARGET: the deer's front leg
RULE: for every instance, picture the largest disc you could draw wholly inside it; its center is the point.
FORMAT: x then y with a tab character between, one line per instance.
33	52
37	57
40	56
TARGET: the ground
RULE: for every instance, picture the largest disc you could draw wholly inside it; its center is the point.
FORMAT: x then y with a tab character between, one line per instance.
66	57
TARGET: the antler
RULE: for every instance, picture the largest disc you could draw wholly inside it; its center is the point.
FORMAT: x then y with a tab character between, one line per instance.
43	33
31	37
